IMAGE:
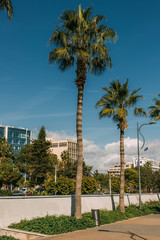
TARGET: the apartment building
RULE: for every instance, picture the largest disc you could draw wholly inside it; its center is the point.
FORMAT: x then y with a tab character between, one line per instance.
144	160
115	169
58	146
16	137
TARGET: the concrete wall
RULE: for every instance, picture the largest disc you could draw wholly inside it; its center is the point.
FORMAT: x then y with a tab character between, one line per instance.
14	209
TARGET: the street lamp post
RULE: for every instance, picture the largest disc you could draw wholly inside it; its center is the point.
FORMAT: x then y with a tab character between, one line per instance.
138	155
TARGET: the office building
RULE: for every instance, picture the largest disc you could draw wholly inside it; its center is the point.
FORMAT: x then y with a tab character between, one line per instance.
115	169
143	160
16	137
58	146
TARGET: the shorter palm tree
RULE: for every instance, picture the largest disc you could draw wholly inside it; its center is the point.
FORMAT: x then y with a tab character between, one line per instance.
155	110
115	103
7	4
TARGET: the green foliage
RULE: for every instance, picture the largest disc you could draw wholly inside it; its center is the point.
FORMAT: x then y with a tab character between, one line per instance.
36	160
9	174
81	38
5	193
147	176
89	185
7	5
42	134
102	180
116	102
155	109
4	237
6	150
55	225
68	167
63	186
131	180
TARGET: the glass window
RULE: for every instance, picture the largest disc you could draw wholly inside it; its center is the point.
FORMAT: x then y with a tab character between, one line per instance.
63	144
55	145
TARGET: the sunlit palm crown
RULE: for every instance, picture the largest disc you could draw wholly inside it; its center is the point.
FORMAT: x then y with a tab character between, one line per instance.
155	110
116	102
82	40
6	4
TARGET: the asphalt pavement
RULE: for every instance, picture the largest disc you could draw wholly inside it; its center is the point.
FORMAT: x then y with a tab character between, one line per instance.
140	228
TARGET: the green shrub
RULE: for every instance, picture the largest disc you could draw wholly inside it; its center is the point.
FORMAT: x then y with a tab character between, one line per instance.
5	193
3	237
56	225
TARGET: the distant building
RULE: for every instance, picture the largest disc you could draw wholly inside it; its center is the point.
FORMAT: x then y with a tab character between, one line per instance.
58	146
115	169
16	137
144	160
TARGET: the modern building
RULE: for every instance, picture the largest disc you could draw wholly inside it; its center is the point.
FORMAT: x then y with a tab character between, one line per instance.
16	137
58	146
144	160
115	169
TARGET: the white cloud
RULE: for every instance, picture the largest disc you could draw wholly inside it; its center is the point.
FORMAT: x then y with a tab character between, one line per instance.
60	135
102	158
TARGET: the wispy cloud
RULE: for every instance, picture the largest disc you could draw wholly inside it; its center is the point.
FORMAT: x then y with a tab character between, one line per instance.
21	116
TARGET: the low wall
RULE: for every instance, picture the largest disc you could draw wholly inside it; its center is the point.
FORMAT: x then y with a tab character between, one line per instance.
14	209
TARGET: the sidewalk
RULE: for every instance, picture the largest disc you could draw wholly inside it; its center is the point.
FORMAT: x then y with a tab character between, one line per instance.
141	228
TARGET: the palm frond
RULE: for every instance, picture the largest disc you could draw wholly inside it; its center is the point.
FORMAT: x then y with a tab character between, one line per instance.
62	57
155	110
106	112
7	4
140	112
59	39
85	38
118	99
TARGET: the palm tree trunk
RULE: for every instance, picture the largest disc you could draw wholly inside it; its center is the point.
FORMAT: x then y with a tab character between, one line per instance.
77	213
122	179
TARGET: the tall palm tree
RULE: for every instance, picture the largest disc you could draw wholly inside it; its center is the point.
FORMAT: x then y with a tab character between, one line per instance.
81	40
7	4
115	103
155	110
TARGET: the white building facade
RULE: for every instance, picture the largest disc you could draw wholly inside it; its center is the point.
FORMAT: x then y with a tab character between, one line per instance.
115	169
58	146
144	160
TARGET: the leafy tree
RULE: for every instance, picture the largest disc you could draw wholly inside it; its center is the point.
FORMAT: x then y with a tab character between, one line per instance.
81	39
102	180
7	4
42	134
131	179
6	150
156	181
89	185
68	167
147	177
36	160
115	103
9	174
39	163
23	158
155	110
63	186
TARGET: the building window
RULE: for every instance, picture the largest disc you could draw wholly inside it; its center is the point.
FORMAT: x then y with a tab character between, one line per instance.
55	145
63	144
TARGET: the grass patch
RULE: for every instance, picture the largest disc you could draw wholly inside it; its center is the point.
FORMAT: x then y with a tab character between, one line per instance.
51	225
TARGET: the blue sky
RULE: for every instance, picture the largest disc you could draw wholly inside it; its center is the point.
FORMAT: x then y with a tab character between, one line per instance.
33	93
